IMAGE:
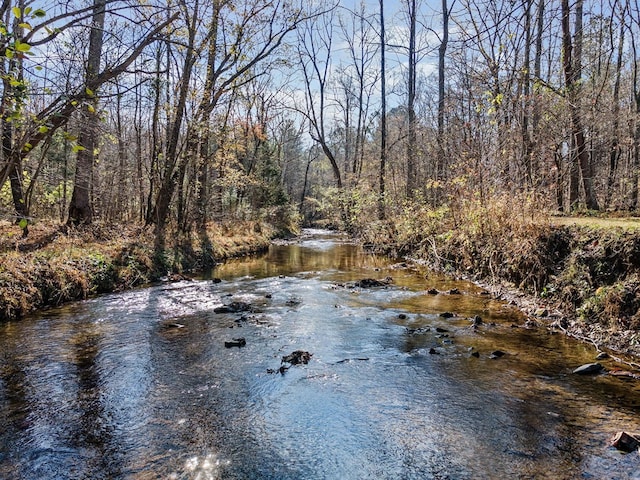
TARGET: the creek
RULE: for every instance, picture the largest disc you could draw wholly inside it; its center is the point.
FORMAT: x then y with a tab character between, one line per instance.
140	384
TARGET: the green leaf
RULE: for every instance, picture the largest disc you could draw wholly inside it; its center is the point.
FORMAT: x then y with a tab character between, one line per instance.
39	13
77	148
25	25
89	91
16	12
22	47
23	223
43	129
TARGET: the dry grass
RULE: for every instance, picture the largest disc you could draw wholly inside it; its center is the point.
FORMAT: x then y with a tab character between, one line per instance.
627	223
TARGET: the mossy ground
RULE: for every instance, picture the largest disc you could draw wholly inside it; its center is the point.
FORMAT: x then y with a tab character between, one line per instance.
54	264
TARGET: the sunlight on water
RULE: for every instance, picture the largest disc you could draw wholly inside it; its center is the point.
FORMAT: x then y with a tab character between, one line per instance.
208	467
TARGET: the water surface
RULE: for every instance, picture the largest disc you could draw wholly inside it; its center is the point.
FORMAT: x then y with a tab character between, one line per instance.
140	385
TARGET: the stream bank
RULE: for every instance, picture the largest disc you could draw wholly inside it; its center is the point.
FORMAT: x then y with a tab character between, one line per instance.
55	264
581	279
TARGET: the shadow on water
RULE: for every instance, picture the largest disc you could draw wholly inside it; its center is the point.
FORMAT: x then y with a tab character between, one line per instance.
141	385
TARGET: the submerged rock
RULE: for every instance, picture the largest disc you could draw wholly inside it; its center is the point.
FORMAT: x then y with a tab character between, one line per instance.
346	360
372	282
172	325
236	342
433	291
497	354
297	357
589	369
447	314
293	302
417	331
233	307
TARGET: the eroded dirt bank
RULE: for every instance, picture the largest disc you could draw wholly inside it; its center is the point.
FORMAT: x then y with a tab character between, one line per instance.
584	280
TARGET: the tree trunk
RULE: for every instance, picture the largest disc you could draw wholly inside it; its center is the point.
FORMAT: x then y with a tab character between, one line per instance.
633	204
172	161
383	118
527	143
80	208
572	72
615	151
442	51
412	141
155	139
537	63
11	103
138	156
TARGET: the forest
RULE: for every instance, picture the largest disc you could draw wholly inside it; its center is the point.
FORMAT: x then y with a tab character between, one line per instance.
187	112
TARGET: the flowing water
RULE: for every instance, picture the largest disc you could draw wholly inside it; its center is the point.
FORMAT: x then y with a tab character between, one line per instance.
140	385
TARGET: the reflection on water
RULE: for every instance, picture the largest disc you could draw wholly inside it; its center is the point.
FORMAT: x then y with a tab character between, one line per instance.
140	384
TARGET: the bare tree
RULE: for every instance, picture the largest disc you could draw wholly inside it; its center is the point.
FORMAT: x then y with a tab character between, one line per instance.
573	71
315	40
634	29
615	151
235	44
